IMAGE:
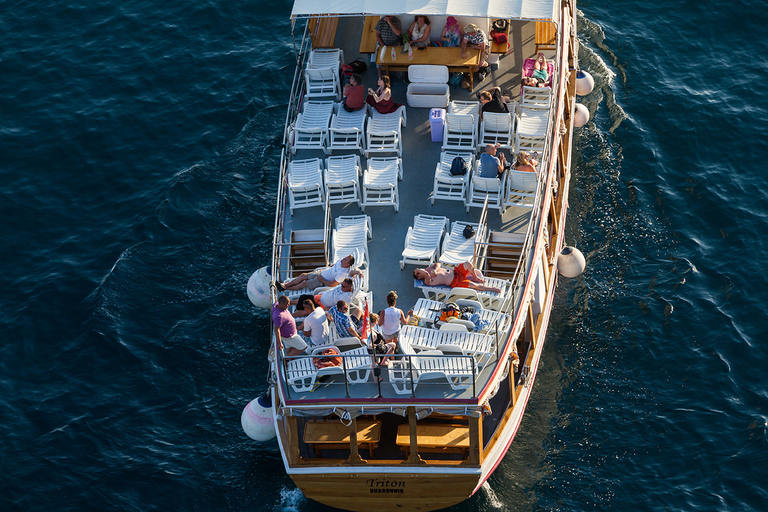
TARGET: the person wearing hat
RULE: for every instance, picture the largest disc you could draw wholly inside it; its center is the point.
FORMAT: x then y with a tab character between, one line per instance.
476	38
451	36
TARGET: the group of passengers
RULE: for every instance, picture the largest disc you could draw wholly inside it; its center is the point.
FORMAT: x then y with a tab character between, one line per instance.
336	305
380	99
389	32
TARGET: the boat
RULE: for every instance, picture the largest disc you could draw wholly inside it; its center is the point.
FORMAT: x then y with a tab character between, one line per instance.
428	429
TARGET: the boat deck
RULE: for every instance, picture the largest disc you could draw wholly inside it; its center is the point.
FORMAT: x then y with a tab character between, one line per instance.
419	156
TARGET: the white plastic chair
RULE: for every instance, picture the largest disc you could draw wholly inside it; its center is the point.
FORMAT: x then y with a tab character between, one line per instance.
310	131
471	108
532	122
496	128
301	373
460	132
342	175
428	365
326	58
521	188
479	188
305	183
347	130
350	236
322	82
536	97
446	185
456	248
423	239
384	132
530	144
454	327
380	182
531	134
358	363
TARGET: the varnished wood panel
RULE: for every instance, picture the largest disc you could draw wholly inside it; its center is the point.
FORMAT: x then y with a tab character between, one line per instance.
385	492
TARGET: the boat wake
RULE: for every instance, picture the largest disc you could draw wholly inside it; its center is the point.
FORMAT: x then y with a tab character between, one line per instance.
290	500
592	36
493	499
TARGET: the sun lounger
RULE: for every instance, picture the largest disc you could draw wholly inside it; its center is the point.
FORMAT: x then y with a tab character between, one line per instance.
446	185
423	239
456	248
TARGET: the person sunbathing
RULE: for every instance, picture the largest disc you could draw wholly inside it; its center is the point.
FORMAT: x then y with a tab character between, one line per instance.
460	276
323	276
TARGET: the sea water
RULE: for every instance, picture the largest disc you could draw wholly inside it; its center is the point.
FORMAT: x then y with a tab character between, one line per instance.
139	154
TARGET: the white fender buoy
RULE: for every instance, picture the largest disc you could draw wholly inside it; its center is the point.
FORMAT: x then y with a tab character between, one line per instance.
580	115
258	288
570	262
257	419
584	83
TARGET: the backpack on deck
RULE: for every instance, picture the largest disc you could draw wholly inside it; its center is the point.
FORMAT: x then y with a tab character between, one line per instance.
458	167
358	65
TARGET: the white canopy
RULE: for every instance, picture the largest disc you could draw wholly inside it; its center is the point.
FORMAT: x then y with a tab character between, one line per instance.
509	9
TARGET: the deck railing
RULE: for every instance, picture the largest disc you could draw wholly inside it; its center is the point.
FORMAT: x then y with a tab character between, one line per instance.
294	107
338	383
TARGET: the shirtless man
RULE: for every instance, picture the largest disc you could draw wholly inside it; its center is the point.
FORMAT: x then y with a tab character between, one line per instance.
461	276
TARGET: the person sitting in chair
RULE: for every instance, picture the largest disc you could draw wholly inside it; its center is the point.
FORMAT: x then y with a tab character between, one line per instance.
419	31
388	33
451	36
492	166
460	276
524	162
339	315
354	94
493	101
315	324
476	38
381	98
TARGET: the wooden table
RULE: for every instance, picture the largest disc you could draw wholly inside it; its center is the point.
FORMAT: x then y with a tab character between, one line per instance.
368	40
435	438
431	56
500	48
323	31
334	434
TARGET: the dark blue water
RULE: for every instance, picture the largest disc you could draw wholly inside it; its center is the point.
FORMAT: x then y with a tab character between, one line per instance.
139	150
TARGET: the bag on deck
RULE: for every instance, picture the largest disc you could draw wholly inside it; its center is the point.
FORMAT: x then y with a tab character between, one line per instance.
458	167
346	70
450	310
358	65
500	25
332	358
499	37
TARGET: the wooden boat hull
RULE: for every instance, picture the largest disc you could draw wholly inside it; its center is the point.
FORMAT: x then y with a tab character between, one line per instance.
387	491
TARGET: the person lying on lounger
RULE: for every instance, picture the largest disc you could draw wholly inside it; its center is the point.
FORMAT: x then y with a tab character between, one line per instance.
460	276
323	276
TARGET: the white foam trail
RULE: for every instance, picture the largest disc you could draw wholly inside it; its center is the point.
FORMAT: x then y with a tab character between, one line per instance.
494	500
290	500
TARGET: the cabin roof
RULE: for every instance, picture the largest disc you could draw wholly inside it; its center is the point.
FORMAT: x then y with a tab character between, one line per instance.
508	9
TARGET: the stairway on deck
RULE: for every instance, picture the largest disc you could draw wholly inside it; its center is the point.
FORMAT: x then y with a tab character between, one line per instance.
307	250
504	250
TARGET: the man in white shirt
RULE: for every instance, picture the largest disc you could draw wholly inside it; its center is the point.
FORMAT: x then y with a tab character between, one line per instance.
315	324
324	276
346	291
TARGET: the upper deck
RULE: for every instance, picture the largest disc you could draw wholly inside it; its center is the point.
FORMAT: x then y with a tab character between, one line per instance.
389	228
